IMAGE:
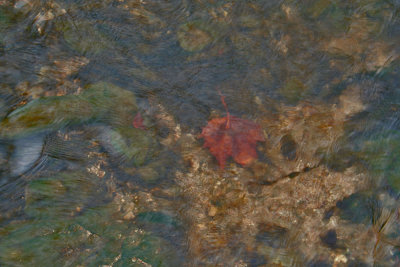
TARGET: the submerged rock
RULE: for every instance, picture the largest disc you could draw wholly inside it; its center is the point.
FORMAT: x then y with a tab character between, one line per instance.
132	146
290	190
149	251
108	109
56	197
359	49
5	22
115	106
102	101
70	222
84	38
45	113
300	137
382	155
31	127
2	109
296	204
26	154
194	36
293	90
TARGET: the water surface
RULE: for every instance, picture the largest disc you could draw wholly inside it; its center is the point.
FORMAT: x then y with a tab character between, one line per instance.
103	106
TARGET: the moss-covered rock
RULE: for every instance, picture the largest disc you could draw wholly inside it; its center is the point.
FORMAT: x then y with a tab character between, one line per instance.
60	196
84	38
95	237
157	218
114	105
133	146
156	168
194	36
293	90
50	112
53	234
102	101
151	250
6	18
382	154
3	109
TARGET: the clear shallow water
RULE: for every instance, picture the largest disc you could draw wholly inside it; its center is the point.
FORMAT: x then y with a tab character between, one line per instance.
85	180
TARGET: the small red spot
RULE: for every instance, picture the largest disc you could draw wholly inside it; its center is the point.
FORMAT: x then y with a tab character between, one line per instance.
138	122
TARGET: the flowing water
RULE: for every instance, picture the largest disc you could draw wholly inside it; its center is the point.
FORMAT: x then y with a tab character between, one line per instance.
199	133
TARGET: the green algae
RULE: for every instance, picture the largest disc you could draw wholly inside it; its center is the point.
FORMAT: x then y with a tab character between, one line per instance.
43	113
293	90
54	198
51	204
196	35
136	146
156	168
5	22
80	242
157	218
3	110
64	220
382	155
84	38
317	8
114	105
103	102
151	250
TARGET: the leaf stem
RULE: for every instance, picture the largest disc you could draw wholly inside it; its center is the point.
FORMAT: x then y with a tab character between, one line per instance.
226	109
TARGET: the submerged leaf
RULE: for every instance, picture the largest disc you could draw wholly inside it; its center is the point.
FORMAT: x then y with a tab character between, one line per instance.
138	122
232	136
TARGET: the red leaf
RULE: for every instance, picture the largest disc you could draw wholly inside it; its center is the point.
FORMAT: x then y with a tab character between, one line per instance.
138	122
232	136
